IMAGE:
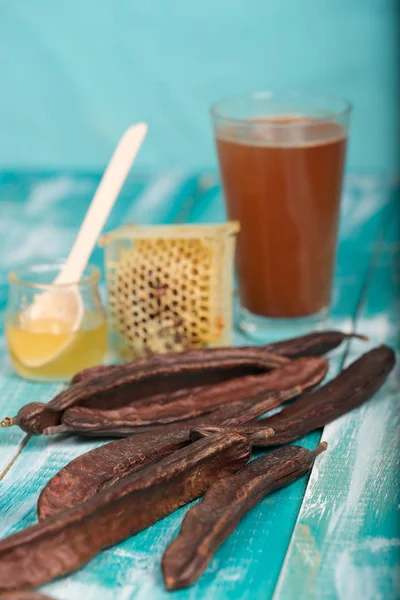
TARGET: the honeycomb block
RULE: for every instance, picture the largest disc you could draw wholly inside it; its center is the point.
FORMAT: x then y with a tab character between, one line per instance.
169	287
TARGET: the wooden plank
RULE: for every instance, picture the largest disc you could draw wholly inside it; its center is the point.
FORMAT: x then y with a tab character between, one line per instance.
346	542
131	570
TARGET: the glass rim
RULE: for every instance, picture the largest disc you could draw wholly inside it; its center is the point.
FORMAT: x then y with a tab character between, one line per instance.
16	276
132	232
216	113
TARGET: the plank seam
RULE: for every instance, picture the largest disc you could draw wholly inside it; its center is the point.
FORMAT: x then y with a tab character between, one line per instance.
373	264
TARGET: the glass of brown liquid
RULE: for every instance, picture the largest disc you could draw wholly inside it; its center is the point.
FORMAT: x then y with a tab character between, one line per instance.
281	159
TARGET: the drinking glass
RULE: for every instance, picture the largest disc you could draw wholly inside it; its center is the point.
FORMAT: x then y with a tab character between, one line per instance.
281	159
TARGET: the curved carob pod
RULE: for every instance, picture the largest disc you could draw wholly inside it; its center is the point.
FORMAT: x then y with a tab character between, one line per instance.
267	401
367	373
113	389
352	387
173	358
105	466
306	372
312	344
211	521
66	542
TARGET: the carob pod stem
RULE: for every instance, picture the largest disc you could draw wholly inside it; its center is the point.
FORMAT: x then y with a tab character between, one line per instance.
122	384
351	388
66	542
103	467
211	521
306	371
312	344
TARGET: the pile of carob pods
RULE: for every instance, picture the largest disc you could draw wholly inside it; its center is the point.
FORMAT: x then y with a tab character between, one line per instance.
188	423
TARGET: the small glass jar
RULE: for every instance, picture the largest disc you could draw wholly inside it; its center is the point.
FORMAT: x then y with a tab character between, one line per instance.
54	330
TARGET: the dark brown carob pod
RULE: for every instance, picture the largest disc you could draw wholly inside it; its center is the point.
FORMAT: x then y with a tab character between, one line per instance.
67	541
312	344
211	521
103	467
305	372
114	389
351	388
174	358
95	424
360	379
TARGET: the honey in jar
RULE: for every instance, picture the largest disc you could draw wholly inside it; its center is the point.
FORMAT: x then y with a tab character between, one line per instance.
52	346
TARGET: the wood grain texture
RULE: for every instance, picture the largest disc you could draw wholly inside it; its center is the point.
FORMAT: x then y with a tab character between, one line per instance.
346	543
131	570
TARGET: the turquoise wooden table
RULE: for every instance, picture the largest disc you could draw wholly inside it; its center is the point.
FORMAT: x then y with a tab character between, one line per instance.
333	536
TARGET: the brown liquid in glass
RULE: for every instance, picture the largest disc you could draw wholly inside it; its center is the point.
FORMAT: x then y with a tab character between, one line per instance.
286	197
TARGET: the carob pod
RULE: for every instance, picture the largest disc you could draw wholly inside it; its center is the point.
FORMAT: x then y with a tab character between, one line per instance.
305	372
116	388
172	358
351	388
211	521
301	371
312	344
366	374
67	541
105	466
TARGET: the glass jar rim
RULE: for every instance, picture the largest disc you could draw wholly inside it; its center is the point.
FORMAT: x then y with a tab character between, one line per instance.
217	113
16	276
